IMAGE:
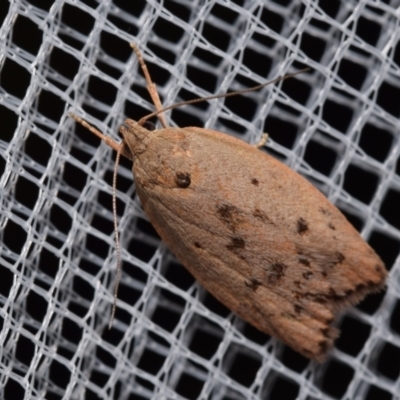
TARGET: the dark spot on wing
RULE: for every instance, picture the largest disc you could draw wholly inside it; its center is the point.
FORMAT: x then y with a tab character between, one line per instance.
340	257
331	260
260	215
238	242
331	226
252	283
198	245
304	261
182	179
229	214
302	226
255	182
307	275
225	212
298	309
275	273
322	258
236	245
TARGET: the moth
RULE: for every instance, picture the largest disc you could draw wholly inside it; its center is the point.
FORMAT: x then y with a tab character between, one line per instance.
257	235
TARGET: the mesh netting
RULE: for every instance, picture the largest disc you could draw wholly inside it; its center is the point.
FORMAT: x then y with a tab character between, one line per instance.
338	125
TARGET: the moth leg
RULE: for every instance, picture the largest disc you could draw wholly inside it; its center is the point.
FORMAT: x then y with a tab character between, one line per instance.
151	86
263	140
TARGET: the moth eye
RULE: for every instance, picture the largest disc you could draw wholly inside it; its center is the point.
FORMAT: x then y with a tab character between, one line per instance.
182	179
149	126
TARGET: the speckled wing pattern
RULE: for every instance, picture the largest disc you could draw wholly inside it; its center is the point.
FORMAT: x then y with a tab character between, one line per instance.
254	233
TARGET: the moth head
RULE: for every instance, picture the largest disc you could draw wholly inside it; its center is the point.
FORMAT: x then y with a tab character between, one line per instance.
135	135
164	159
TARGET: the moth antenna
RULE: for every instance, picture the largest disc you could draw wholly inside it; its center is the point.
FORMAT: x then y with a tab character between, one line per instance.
151	86
117	243
118	147
219	96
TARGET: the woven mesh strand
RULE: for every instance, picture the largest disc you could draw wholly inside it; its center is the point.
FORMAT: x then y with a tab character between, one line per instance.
338	125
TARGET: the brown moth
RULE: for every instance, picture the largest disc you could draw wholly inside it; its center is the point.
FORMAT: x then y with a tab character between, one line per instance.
254	233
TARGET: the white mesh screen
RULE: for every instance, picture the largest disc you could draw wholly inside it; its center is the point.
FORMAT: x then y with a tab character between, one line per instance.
338	125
